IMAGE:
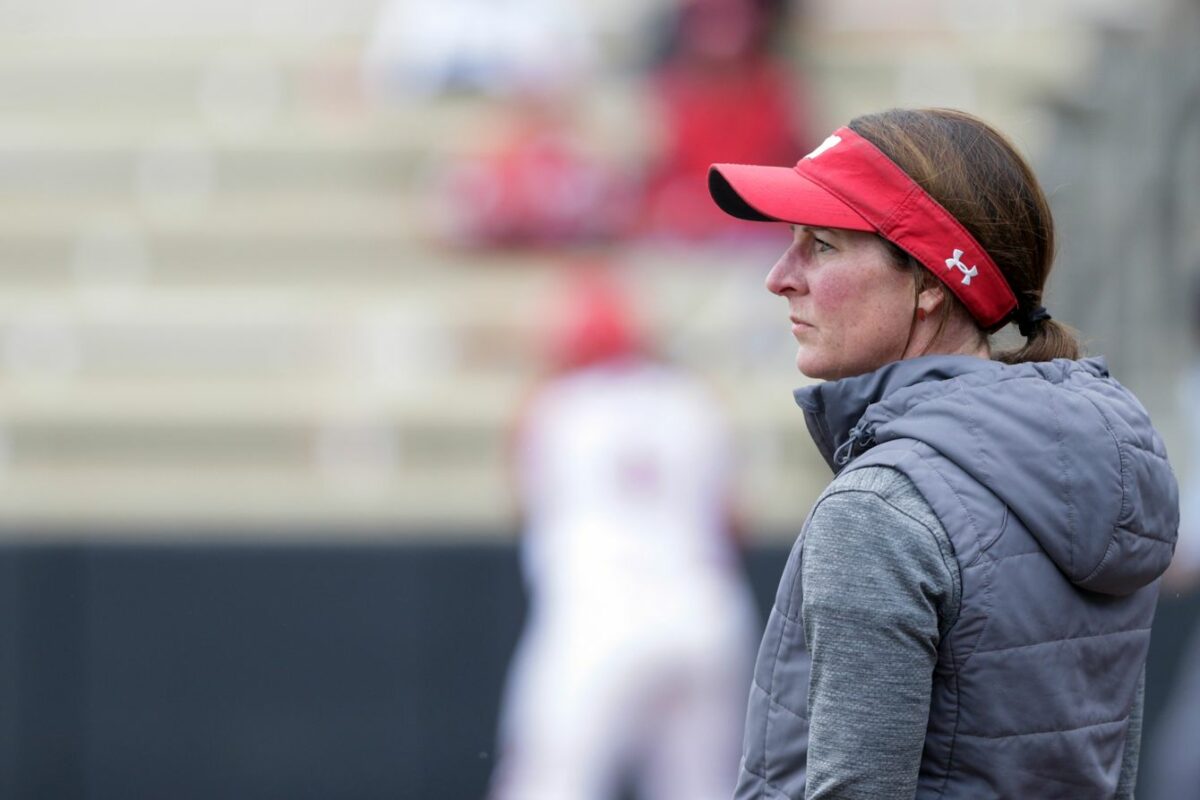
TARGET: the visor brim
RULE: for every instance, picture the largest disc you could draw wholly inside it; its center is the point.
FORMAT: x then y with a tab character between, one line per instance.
779	194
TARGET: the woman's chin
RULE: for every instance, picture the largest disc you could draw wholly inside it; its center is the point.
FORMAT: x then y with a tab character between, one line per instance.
811	367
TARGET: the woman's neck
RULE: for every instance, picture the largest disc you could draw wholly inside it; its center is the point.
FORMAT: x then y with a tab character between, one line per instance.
956	337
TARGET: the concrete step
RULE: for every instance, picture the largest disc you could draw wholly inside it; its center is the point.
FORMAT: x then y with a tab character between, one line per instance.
482	401
222	235
229	455
50	169
184	501
338	485
53	264
132	19
461	323
347	476
385	216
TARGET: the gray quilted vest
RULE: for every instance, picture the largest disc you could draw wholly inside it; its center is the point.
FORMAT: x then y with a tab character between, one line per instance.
1057	496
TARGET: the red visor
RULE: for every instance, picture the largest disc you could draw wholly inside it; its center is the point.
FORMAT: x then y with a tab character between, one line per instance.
848	183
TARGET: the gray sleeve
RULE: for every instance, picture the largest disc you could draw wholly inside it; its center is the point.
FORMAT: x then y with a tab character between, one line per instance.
1133	744
878	587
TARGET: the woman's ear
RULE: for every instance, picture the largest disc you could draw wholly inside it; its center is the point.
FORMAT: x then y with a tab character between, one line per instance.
931	299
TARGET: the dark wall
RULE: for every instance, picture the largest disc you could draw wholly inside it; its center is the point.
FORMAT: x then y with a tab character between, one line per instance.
252	671
262	671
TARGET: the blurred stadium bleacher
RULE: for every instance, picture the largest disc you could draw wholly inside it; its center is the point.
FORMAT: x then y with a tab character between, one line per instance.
221	305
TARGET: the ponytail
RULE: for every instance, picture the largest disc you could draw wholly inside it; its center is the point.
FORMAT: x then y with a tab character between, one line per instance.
1045	339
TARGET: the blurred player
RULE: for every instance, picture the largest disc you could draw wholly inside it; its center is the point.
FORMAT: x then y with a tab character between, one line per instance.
635	660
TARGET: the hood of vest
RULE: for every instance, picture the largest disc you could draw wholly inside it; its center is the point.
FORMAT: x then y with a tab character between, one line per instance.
1070	451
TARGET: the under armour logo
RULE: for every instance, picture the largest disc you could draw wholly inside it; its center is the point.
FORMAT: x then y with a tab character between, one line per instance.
955	262
832	141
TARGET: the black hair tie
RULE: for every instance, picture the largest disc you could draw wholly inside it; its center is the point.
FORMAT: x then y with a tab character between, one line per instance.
1027	323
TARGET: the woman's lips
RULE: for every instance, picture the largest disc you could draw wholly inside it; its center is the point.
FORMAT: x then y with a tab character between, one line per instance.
800	326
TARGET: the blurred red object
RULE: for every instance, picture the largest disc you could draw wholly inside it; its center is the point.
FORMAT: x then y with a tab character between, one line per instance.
594	322
720	96
536	186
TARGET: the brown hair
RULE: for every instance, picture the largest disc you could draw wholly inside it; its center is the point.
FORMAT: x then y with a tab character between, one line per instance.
976	174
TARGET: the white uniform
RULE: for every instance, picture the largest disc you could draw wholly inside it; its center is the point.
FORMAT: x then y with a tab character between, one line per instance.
640	639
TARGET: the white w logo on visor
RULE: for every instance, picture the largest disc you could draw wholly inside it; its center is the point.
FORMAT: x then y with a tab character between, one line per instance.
832	141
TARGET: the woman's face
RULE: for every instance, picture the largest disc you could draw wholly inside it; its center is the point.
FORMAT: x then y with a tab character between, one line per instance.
851	307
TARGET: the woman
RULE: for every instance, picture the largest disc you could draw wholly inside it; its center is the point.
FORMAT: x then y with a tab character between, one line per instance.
967	610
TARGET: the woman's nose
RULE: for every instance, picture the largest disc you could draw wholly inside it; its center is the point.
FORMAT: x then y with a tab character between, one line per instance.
784	277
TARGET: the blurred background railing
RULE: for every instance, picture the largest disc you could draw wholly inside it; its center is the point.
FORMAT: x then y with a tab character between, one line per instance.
261	353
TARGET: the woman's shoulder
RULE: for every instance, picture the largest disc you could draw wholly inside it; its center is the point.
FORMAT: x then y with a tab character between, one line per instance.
878	508
889	485
873	524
